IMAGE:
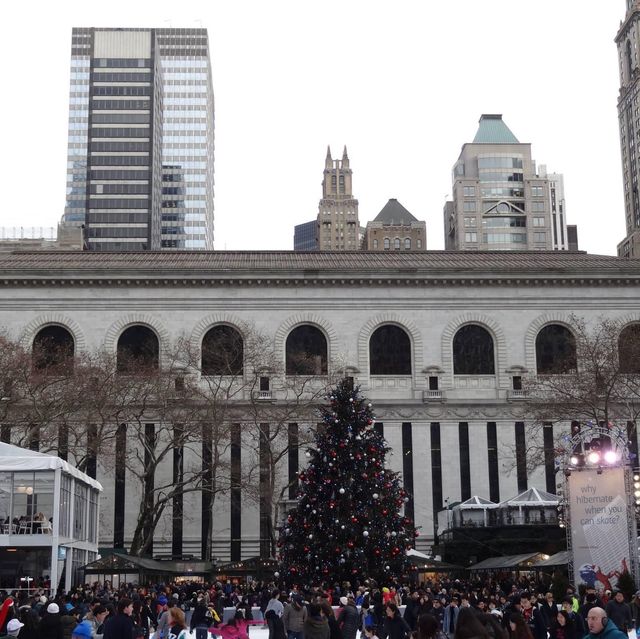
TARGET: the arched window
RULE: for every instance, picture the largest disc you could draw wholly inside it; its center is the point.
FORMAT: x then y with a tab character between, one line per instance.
387	243
53	348
473	351
389	351
306	351
222	351
407	243
555	350
629	349
396	243
375	245
138	348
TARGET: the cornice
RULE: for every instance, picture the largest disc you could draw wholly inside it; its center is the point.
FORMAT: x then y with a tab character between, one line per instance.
155	281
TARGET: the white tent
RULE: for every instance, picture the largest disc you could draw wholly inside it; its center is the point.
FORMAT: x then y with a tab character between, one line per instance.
14	458
532	497
68	532
475	511
530	507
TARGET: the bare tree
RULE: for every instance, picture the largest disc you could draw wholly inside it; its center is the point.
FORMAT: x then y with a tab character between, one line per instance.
598	383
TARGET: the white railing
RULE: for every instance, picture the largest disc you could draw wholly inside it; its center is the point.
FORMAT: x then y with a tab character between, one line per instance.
432	396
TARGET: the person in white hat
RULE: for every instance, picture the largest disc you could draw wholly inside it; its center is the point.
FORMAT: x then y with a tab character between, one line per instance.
50	626
13	627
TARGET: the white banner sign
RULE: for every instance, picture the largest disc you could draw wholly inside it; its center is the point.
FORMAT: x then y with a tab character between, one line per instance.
599	526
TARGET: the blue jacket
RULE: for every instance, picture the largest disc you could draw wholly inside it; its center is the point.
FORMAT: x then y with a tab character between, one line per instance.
611	631
446	619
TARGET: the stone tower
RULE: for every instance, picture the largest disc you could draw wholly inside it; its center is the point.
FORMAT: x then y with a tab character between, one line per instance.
338	227
628	41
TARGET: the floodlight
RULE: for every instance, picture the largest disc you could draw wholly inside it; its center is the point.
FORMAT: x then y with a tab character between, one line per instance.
593	457
636	477
574	460
611	457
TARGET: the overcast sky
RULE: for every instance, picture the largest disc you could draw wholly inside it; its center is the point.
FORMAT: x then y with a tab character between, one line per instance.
401	83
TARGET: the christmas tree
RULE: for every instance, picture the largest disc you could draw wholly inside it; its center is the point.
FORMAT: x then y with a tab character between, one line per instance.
348	523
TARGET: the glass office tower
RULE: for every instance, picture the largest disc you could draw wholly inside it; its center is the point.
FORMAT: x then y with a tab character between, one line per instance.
141	145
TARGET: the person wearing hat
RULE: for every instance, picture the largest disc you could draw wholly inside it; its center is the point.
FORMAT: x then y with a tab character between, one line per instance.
13	629
51	626
619	611
83	630
293	617
349	618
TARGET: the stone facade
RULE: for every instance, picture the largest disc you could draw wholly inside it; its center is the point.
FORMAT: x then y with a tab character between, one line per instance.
439	424
338	227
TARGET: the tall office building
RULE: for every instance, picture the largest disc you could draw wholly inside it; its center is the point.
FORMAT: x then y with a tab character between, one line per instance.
628	41
499	200
304	236
338	226
141	145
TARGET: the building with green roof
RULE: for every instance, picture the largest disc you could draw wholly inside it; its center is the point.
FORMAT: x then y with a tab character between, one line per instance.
500	199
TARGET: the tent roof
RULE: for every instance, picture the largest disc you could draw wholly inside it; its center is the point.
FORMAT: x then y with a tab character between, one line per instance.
478	503
559	559
507	561
119	563
14	458
425	562
532	497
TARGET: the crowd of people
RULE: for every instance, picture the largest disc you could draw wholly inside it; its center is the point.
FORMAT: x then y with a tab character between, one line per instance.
447	609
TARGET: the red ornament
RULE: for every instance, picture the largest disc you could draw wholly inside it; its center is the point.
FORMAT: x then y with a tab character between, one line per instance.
385	512
350	544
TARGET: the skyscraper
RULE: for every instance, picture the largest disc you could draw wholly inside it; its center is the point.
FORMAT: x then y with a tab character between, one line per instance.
499	201
628	41
338	226
304	236
141	145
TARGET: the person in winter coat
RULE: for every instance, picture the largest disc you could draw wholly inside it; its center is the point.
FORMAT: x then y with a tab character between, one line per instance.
469	625
394	627
450	617
635	608
428	627
201	617
50	626
348	618
316	625
293	618
334	628
563	627
602	628
30	621
619	611
275	625
68	621
14	628
96	619
120	626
